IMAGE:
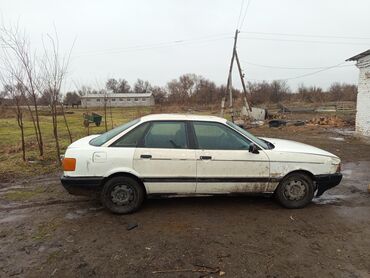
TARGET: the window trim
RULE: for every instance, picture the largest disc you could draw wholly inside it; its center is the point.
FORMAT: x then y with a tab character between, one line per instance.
222	124
188	133
136	123
139	141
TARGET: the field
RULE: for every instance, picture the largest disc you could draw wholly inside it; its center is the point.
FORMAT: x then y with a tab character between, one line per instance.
11	164
44	231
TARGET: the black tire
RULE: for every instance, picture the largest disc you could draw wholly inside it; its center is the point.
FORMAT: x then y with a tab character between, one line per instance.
122	195
295	191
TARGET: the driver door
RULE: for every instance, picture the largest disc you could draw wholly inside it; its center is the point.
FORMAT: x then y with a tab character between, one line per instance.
224	163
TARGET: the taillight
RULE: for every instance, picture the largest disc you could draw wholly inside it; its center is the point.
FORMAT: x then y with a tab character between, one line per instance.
69	164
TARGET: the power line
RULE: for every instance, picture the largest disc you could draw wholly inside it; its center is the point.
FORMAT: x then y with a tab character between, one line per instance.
240	14
314	72
291	68
306	74
303	41
204	39
306	35
245	14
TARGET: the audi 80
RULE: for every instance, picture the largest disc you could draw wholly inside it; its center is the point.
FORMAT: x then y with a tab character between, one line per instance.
173	154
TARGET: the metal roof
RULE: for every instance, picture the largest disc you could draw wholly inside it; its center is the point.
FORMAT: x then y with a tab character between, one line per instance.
359	56
131	95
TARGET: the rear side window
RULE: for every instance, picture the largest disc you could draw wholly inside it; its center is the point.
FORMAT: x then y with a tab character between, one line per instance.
132	138
215	136
105	137
169	135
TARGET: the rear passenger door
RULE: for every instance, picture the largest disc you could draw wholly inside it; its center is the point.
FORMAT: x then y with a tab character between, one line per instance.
164	159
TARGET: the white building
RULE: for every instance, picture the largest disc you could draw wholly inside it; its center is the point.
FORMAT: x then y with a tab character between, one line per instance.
117	100
363	96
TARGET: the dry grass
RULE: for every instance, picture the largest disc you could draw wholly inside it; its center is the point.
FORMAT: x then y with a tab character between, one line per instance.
11	164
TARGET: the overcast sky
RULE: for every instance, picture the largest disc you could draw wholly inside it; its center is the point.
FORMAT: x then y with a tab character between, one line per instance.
160	40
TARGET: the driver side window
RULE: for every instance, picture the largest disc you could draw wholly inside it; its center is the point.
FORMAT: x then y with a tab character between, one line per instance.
215	136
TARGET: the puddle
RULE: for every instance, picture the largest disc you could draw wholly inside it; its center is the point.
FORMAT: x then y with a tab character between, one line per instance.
81	212
337	139
356	174
353	187
76	214
344	131
12	218
96	208
72	216
329	199
10	188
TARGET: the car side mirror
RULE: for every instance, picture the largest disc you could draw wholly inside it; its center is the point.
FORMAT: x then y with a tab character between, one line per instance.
253	148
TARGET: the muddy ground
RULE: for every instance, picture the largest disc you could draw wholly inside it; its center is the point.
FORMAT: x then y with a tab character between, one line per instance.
46	232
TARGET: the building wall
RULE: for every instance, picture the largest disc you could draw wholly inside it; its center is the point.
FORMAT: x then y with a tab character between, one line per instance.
363	97
117	101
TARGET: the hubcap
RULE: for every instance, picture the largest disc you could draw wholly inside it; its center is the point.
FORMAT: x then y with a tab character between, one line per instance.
122	195
295	190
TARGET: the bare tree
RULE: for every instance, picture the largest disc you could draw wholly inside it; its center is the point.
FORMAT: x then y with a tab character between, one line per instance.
140	86
159	94
16	94
54	69
105	102
21	63
66	122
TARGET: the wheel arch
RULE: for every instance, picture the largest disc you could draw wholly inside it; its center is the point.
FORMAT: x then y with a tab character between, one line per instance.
300	171
124	174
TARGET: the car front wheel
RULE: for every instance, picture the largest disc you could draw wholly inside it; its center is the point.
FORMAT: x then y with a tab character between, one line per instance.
122	195
295	191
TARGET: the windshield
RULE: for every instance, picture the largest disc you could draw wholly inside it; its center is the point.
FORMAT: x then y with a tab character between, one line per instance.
105	137
249	135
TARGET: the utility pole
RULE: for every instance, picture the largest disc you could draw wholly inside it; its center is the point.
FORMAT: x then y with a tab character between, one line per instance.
229	81
246	103
229	89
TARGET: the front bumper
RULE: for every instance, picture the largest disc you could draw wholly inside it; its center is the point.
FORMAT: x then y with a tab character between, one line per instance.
325	182
82	185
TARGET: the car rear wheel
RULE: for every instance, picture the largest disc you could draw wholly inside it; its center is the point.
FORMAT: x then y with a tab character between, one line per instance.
295	191
122	195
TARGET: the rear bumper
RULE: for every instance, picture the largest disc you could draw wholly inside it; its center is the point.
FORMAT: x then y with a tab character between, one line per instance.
82	185
325	182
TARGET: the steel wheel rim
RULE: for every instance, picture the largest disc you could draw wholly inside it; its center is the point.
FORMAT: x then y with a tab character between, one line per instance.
122	194
295	190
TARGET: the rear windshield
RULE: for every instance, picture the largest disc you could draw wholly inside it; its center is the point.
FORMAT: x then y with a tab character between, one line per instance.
105	137
257	140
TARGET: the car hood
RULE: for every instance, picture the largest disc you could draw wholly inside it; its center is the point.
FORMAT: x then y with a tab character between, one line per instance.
83	142
283	145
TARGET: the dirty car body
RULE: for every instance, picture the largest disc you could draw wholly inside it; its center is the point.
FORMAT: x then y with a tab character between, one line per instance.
187	154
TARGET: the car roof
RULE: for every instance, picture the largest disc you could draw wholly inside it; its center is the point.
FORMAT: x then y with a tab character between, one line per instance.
182	117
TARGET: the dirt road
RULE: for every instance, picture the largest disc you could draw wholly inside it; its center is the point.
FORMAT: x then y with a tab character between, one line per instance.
46	232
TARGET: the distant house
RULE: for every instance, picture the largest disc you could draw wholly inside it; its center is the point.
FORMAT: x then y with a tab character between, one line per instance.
363	96
117	100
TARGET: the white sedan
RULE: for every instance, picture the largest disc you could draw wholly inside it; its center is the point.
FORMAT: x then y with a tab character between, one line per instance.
169	154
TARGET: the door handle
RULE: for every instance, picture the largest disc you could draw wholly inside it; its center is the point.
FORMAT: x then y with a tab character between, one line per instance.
146	156
205	157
